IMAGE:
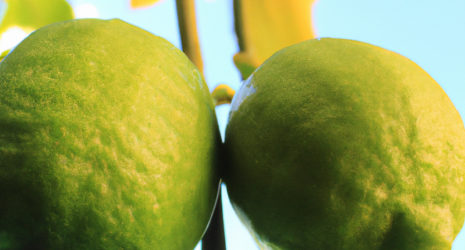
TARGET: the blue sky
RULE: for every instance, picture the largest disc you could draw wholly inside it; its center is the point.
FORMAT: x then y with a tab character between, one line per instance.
431	33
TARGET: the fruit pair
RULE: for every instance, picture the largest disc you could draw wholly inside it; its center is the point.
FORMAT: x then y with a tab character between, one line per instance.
108	139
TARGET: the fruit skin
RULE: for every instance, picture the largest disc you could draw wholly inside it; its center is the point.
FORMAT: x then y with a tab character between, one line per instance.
108	140
338	144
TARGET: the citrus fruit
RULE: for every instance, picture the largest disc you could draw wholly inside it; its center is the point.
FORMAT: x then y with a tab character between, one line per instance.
339	144
108	140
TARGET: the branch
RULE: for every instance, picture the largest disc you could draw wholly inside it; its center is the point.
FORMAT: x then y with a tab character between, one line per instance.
214	236
188	30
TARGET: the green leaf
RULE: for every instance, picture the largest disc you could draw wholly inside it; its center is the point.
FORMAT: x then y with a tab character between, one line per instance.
30	15
4	53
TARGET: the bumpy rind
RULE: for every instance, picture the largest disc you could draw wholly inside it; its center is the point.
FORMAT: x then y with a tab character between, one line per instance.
108	140
338	144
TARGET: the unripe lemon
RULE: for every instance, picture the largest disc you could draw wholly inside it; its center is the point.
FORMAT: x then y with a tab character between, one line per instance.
340	145
108	140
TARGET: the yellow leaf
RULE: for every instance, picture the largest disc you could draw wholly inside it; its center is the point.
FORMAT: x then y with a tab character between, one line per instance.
30	15
266	26
142	3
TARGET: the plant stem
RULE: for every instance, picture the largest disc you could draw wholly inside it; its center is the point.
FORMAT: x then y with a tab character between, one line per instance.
238	28
238	24
214	236
188	30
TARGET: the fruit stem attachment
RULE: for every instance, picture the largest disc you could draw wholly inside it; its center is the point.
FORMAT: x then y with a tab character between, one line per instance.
214	236
222	94
188	31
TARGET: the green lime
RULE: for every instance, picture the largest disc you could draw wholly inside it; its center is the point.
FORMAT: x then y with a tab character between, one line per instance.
108	140
339	144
